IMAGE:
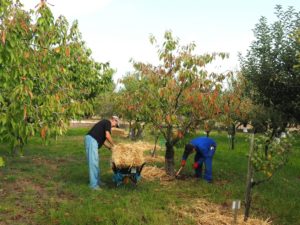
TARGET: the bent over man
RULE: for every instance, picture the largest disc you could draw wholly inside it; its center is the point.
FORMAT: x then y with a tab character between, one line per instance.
205	148
94	139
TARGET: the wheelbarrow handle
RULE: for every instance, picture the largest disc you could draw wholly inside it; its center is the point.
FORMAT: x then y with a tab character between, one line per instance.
140	170
114	167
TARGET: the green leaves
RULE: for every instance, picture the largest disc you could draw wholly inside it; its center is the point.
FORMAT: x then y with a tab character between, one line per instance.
270	154
47	75
270	63
2	163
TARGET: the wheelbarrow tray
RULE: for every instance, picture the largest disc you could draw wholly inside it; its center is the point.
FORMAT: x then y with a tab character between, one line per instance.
124	174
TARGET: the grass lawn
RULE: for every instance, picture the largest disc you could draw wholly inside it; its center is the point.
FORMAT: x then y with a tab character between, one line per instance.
49	185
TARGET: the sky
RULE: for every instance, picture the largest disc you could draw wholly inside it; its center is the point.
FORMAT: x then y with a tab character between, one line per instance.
118	30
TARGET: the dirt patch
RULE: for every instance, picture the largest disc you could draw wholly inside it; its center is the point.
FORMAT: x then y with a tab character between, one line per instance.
221	182
24	185
45	162
23	210
185	177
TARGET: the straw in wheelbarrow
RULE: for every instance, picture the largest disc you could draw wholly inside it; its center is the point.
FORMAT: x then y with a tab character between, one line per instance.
127	155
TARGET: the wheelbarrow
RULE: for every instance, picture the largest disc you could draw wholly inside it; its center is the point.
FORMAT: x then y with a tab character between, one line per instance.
124	175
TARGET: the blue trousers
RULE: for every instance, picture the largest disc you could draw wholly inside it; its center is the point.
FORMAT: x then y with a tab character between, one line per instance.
208	166
91	148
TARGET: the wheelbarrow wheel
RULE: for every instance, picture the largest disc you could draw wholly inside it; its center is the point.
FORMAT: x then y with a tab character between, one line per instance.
126	180
134	180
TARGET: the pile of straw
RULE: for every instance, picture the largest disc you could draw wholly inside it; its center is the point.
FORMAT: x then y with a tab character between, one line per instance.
205	213
152	172
127	155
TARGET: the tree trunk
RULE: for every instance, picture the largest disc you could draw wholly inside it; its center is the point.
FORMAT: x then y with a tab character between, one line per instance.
136	131
267	149
129	133
154	149
133	132
169	159
232	141
249	181
231	134
139	134
18	149
207	133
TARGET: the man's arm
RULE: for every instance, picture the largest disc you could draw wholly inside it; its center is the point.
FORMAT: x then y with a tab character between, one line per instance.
109	138
107	145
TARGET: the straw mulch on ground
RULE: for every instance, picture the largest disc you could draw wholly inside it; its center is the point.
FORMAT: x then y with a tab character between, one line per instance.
205	213
127	155
152	172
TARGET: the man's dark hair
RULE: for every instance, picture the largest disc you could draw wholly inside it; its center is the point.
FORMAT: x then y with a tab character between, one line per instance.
188	149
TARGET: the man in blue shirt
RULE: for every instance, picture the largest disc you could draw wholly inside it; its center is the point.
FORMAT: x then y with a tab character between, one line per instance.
205	149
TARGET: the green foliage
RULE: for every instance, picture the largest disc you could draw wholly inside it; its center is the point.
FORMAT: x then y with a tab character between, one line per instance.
47	75
273	85
2	163
270	64
132	98
106	104
235	105
270	155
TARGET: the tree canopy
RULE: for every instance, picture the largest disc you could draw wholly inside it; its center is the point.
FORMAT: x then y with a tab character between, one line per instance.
47	75
270	66
175	95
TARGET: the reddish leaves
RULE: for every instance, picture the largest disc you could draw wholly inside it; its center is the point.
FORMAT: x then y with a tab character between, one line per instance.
3	37
25	112
44	132
68	52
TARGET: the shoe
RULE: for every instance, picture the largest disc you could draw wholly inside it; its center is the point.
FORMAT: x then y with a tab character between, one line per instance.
97	188
102	184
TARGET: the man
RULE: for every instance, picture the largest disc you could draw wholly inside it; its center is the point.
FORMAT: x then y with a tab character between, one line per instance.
205	149
94	139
